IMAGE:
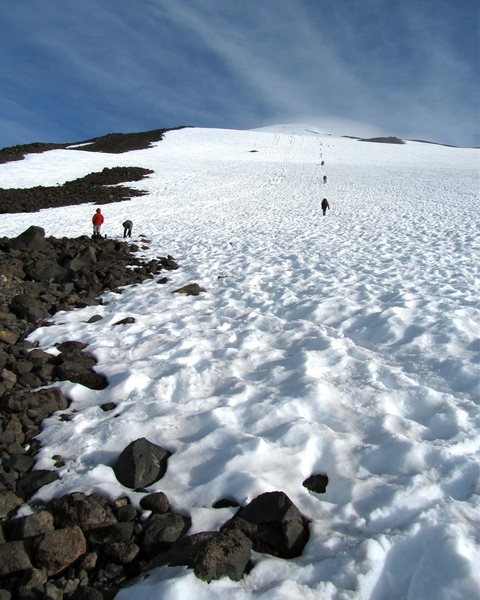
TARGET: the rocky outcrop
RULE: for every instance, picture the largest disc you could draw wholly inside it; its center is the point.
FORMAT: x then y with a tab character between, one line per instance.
113	143
102	187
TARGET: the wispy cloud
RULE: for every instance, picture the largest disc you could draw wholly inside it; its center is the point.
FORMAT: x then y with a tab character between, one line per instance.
73	70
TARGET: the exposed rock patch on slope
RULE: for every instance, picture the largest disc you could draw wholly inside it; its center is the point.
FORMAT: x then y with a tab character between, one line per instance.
91	188
114	143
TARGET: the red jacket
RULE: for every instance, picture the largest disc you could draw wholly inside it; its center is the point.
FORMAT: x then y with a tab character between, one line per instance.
97	218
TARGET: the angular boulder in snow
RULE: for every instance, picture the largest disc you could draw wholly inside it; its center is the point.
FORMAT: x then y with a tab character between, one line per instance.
316	483
224	555
274	525
141	463
162	530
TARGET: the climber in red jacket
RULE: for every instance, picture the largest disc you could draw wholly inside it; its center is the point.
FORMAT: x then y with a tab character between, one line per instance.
97	221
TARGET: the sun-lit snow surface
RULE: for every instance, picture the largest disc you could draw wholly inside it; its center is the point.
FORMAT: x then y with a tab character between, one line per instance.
347	344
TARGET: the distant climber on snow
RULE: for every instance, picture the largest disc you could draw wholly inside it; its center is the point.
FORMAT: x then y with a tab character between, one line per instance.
324	179
325	205
97	221
127	228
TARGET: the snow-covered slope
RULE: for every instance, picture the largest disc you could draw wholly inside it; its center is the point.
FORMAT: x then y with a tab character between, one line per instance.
347	344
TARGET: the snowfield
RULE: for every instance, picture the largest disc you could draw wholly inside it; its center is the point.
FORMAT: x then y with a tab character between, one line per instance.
347	344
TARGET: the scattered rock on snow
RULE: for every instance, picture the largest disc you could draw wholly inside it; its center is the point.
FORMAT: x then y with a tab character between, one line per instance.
191	289
274	525
141	463
316	483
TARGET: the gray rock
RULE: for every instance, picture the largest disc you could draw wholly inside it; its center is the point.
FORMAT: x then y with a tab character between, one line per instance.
27	307
32	238
31	525
157	503
141	463
32	482
120	553
13	558
161	531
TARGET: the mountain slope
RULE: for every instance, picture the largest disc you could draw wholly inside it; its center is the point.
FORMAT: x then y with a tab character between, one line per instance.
346	344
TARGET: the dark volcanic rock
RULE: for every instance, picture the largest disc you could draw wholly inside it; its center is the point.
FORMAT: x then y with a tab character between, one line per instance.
32	238
29	308
161	531
79	191
316	483
274	525
225	554
114	143
141	463
383	140
77	508
32	482
157	503
94	540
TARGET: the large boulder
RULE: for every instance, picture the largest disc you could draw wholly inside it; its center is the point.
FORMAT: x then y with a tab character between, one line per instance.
84	259
32	238
59	549
224	555
161	531
45	269
141	463
211	554
316	483
274	525
29	308
156	502
89	512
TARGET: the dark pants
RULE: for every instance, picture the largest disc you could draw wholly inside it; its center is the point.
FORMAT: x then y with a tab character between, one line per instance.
127	231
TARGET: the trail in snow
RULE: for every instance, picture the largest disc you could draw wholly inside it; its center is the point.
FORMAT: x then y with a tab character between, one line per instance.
345	344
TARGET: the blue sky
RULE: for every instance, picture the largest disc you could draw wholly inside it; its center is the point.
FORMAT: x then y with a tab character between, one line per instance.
75	70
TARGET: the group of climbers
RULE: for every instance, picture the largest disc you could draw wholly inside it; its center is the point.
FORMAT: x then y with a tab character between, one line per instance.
98	220
325	205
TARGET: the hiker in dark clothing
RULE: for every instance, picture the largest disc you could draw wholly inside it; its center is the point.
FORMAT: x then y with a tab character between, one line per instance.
127	228
325	205
324	179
